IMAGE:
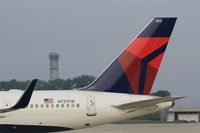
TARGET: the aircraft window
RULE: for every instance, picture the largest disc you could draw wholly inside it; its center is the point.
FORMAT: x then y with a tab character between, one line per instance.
36	106
47	105
31	106
62	105
77	105
72	105
67	105
42	106
52	105
57	105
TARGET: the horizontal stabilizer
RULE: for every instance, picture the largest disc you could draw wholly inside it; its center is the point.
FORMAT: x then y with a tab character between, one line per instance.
145	103
24	99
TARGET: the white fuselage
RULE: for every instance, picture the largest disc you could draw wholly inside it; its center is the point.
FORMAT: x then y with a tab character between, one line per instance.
72	109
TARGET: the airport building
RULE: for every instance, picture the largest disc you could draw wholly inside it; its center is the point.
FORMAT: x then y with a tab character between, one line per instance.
53	58
184	114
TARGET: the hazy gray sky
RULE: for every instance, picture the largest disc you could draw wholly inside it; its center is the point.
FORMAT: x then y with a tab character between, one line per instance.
89	34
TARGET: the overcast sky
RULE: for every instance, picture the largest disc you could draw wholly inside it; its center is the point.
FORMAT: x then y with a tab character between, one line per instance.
89	34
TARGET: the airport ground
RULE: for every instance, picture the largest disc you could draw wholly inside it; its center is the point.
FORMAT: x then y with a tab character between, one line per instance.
142	128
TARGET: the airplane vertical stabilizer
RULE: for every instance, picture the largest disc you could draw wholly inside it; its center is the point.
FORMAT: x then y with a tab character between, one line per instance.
134	71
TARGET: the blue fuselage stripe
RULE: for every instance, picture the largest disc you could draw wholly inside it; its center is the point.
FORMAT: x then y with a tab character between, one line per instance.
7	128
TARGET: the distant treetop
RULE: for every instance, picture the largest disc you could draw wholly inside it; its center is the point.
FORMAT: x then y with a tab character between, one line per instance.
161	93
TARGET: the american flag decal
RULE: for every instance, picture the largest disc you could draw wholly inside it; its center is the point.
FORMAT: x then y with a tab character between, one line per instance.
48	100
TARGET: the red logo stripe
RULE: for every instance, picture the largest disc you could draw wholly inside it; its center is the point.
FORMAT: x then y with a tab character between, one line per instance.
141	47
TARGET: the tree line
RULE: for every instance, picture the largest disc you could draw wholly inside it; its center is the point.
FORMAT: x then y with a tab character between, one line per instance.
61	84
58	84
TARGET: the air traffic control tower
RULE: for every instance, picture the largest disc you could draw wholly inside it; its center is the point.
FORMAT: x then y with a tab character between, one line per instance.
53	57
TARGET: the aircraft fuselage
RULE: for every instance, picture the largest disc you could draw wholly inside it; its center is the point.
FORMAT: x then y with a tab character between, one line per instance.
68	110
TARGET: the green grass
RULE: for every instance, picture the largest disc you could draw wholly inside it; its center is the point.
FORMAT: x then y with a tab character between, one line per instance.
141	121
132	121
